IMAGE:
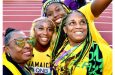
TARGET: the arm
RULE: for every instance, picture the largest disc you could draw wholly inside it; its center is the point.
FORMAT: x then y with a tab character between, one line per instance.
98	6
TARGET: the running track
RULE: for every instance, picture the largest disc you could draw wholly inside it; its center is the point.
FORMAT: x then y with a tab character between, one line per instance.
20	14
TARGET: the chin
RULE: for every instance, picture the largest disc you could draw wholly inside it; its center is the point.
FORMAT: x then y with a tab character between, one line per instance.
80	40
44	43
26	59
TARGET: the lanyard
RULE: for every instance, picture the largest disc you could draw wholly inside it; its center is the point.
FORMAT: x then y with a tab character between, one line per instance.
65	54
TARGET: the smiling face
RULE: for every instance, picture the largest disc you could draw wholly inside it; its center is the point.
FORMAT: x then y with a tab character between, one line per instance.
43	31
76	28
19	54
55	12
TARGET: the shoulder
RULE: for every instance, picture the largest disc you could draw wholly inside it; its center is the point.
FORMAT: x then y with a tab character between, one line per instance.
86	10
103	48
95	46
6	71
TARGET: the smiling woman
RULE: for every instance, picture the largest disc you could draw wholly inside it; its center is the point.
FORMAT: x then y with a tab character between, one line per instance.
42	31
56	10
80	54
17	52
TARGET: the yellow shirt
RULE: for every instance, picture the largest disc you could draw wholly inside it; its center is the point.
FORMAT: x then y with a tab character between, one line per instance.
40	62
103	45
106	51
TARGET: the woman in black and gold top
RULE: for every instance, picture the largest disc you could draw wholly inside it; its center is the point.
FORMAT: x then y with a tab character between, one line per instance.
17	51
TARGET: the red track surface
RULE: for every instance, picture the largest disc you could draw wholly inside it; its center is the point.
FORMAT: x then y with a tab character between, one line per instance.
20	14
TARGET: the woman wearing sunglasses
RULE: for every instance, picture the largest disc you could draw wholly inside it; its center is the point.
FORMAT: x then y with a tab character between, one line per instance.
42	30
17	51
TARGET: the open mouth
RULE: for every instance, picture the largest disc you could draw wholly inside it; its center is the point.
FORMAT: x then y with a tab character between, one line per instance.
58	20
79	33
44	39
27	53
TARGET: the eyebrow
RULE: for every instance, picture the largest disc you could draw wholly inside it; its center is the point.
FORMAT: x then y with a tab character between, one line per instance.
70	21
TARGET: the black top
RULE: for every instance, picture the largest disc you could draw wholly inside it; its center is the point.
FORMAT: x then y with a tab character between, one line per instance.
6	71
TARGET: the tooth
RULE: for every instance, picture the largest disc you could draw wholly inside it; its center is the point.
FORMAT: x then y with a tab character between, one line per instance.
78	32
45	39
59	20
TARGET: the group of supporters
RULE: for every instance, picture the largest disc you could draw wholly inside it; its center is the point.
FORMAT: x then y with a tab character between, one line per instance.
63	41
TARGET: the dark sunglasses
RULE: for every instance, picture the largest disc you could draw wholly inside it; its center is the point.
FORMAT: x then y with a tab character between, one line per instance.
20	42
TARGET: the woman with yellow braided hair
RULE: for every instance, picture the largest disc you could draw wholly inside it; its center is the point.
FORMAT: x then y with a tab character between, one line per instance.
80	54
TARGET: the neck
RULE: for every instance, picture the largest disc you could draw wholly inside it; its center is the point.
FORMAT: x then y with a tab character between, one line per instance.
22	65
17	61
74	44
41	48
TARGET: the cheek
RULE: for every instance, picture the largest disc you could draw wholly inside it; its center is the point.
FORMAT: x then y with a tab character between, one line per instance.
51	17
50	34
62	14
15	48
85	31
37	34
16	54
69	29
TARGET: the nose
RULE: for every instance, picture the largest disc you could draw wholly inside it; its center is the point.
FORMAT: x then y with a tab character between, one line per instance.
55	14
77	25
27	45
45	32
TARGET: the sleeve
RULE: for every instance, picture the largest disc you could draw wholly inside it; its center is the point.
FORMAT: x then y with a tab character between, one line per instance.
107	59
107	70
86	10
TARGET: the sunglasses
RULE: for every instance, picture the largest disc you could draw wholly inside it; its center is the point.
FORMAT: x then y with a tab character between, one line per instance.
20	42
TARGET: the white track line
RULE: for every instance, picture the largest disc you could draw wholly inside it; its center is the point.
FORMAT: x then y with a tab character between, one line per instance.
5	2
106	12
106	31
17	21
40	15
33	7
21	15
22	7
99	31
103	22
107	9
34	10
104	17
31	21
22	10
21	4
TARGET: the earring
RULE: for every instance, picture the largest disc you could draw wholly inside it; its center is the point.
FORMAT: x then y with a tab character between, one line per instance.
8	54
6	49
